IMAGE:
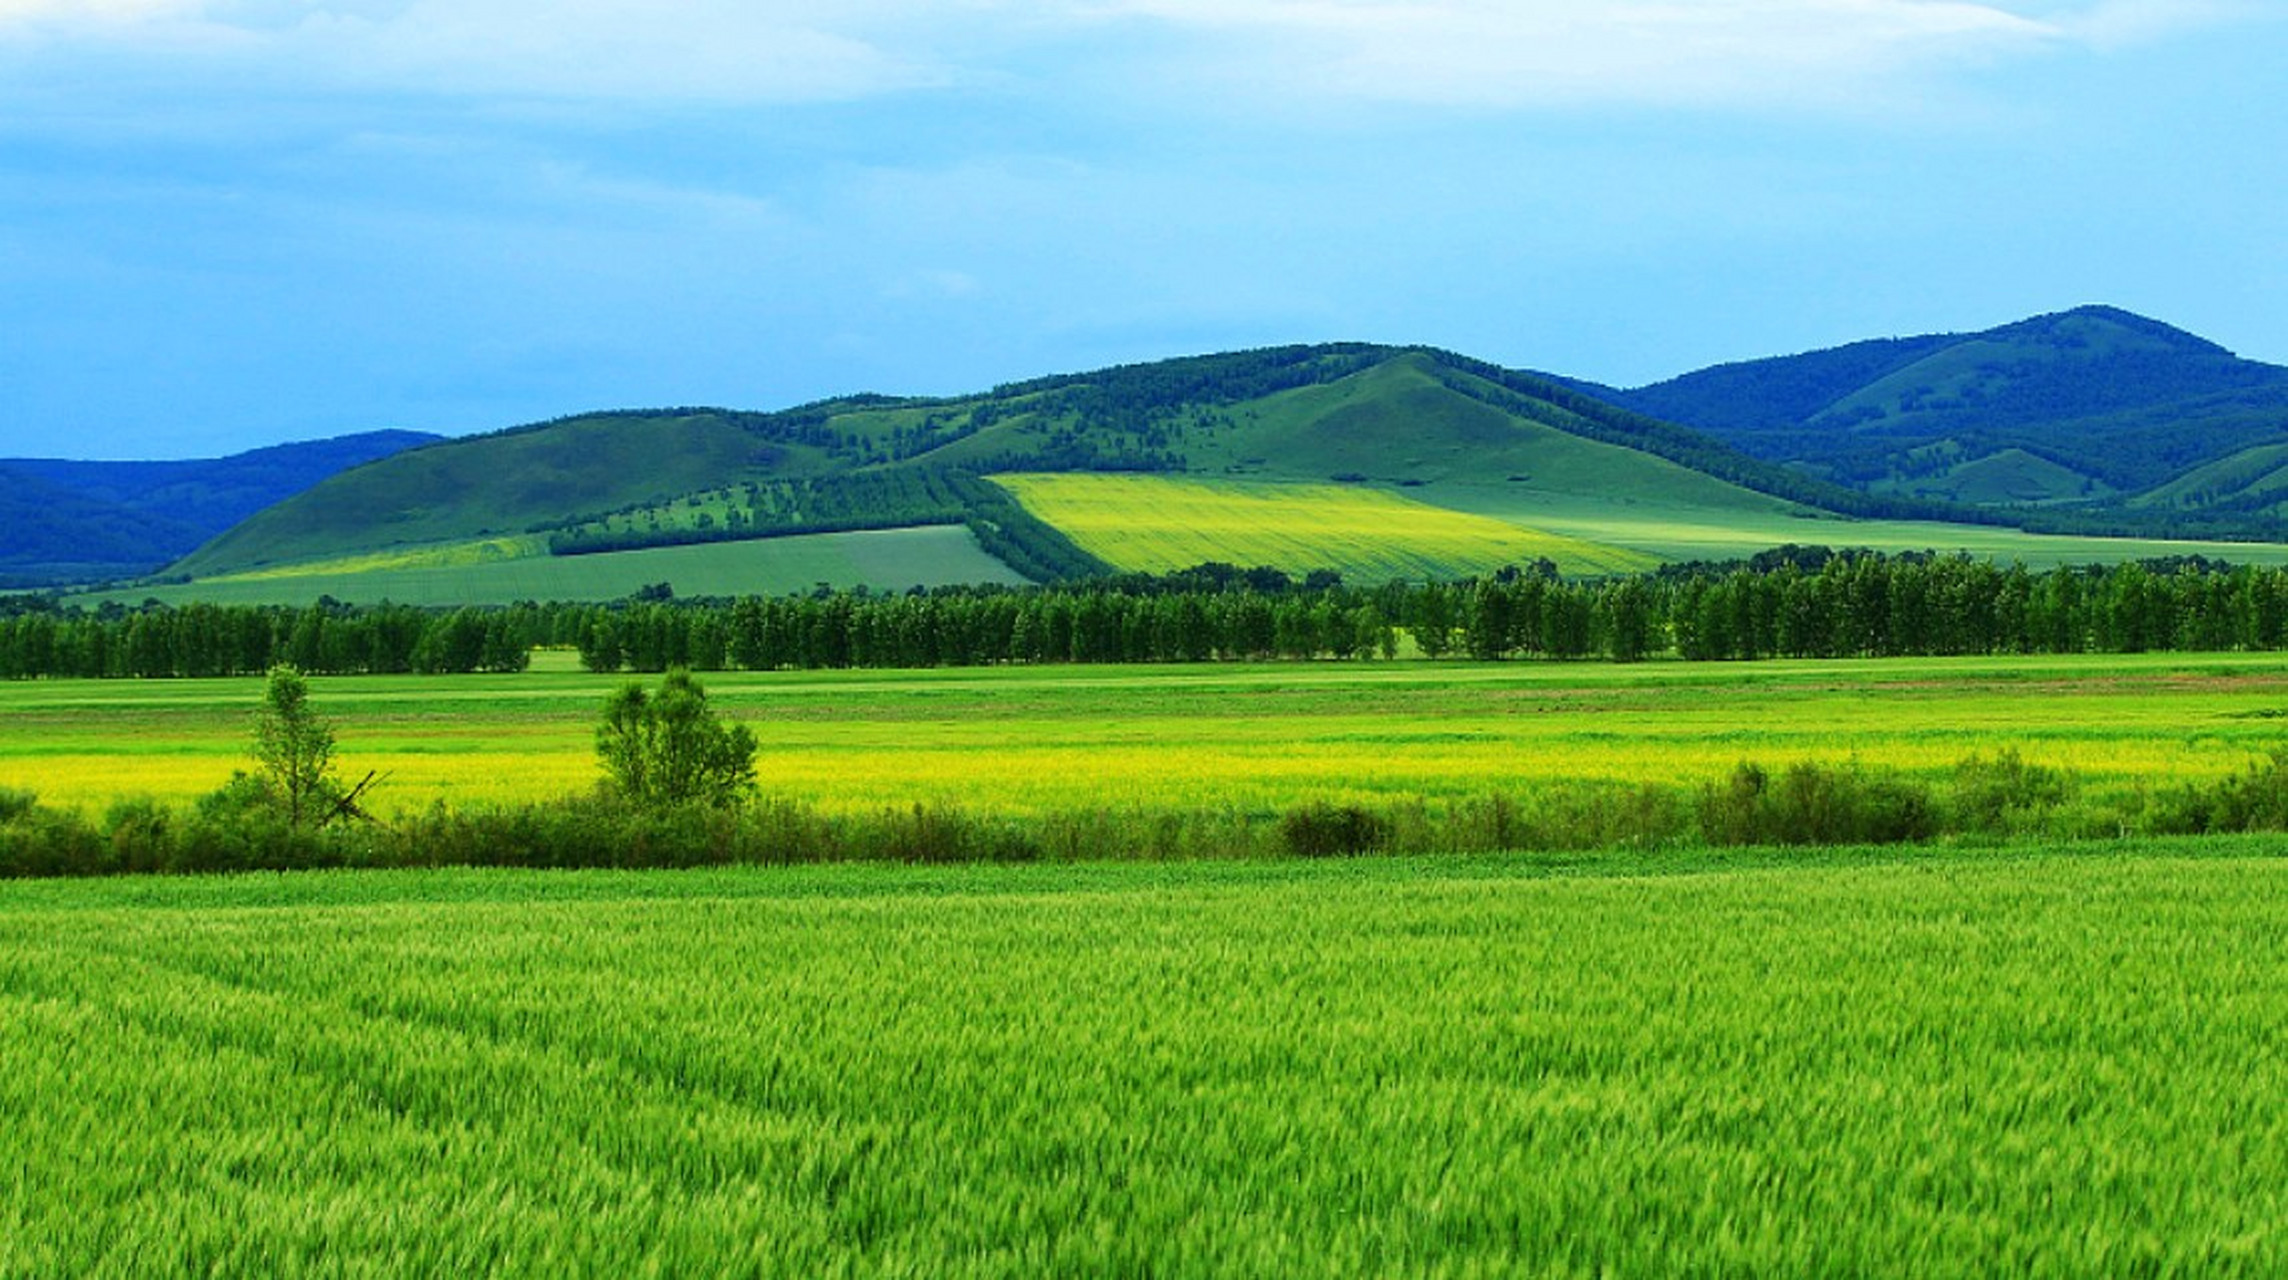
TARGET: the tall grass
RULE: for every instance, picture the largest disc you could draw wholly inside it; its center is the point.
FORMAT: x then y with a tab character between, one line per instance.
2051	1064
1981	799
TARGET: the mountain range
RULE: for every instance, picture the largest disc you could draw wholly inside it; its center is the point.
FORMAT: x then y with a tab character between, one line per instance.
2094	408
63	520
2090	421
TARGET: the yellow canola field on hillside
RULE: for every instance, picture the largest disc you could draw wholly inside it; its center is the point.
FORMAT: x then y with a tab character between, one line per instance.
1158	524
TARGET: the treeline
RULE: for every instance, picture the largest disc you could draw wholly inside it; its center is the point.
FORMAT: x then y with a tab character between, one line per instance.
876	500
221	640
1810	605
1794	603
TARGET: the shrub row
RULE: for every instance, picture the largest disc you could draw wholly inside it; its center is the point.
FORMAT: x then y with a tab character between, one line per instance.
1807	803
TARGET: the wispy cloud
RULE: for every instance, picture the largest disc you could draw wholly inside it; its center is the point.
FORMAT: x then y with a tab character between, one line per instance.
1504	53
695	50
83	13
1481	53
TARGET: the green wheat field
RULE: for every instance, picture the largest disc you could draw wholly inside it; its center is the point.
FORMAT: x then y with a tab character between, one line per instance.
2040	1062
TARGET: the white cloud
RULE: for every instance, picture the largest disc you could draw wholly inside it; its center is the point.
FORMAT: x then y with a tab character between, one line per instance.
707	50
1491	53
2113	24
1530	52
109	12
693	50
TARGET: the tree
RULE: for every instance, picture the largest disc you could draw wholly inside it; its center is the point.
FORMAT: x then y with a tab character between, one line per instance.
295	748
669	748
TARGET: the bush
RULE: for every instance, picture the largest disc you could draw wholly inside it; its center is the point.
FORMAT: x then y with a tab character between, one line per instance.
664	749
1323	830
1811	803
141	834
940	833
2255	799
45	842
2004	795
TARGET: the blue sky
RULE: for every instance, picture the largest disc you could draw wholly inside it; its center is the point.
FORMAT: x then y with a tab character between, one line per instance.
226	223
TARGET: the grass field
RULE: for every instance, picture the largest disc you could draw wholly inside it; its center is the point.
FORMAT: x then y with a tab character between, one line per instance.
1672	533
889	559
1255	738
1918	1064
1159	524
451	555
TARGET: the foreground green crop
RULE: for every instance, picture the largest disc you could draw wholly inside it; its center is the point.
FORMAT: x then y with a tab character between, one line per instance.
1852	1064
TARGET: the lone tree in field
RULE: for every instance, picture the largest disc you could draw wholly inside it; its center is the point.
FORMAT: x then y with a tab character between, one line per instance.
295	747
668	748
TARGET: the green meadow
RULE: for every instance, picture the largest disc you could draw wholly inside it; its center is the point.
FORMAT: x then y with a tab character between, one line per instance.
1667	531
1929	1063
463	573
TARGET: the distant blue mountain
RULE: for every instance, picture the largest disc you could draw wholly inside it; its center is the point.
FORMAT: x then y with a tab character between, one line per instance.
2099	404
69	521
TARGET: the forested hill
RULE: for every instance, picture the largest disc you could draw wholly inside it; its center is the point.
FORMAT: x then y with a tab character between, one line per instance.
1411	419
2089	421
2088	410
65	520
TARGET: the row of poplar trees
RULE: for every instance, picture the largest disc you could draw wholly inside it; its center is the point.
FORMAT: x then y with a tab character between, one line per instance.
1837	606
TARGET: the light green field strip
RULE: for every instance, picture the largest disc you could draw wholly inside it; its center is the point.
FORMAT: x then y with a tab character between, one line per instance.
1921	1065
1252	738
1156	524
1682	533
455	555
889	559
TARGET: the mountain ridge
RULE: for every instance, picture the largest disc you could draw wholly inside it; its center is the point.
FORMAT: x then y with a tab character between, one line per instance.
68	519
2092	421
1411	417
2120	400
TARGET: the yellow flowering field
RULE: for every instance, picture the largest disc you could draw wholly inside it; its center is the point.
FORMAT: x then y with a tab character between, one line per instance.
1255	738
1159	524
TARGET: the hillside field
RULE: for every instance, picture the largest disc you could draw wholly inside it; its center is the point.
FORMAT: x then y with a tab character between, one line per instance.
887	559
2037	1062
1671	533
1225	737
1161	524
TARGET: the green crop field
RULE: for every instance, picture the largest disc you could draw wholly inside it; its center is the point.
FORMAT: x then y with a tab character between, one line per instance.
1914	1064
1159	524
1674	533
462	574
1252	738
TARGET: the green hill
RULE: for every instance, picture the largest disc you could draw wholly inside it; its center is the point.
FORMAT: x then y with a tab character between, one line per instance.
2008	477
1270	440
2253	479
2084	409
1414	421
518	481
